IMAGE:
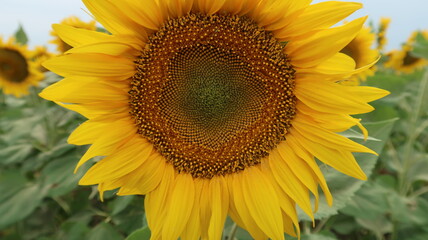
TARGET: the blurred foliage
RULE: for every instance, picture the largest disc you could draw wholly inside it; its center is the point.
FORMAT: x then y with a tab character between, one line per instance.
21	36
40	197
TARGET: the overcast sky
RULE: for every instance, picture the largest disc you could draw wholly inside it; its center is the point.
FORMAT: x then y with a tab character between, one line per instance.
36	16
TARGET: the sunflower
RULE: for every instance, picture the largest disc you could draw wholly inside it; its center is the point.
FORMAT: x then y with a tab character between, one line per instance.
17	72
360	49
402	60
381	39
74	21
39	55
213	108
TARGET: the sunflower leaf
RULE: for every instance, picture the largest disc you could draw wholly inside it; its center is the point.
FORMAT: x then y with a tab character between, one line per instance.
420	49
140	234
21	204
104	231
314	237
351	133
344	187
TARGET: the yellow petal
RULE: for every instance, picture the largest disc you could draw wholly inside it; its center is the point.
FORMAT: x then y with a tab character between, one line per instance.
288	206
317	16
192	231
265	211
179	207
234	7
338	64
156	201
109	141
123	161
71	90
326	97
341	160
220	203
146	14
322	45
242	209
179	8
92	129
289	183
78	36
109	14
109	48
299	150
327	138
288	225
87	133
108	185
275	15
301	170
91	64
96	109
331	121
205	207
214	6
144	178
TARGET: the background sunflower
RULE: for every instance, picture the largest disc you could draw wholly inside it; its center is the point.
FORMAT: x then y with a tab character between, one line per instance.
17	72
404	61
74	21
361	49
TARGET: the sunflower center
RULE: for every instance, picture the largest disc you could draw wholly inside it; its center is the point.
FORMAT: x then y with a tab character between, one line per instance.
409	59
13	66
212	91
214	94
353	53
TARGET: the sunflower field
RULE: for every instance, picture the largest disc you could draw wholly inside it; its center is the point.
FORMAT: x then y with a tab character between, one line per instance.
214	119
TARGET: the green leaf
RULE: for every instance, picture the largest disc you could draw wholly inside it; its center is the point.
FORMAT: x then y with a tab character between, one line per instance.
21	204
21	36
420	48
351	133
15	153
419	169
59	173
73	230
343	224
11	181
369	203
104	231
418	212
344	187
130	220
379	226
77	231
318	236
140	234
121	203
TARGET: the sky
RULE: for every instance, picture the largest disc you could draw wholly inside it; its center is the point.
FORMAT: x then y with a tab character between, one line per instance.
37	16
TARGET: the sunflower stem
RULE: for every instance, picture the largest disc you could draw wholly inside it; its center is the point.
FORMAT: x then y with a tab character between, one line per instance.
320	225
394	155
232	232
419	192
63	204
306	228
408	161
